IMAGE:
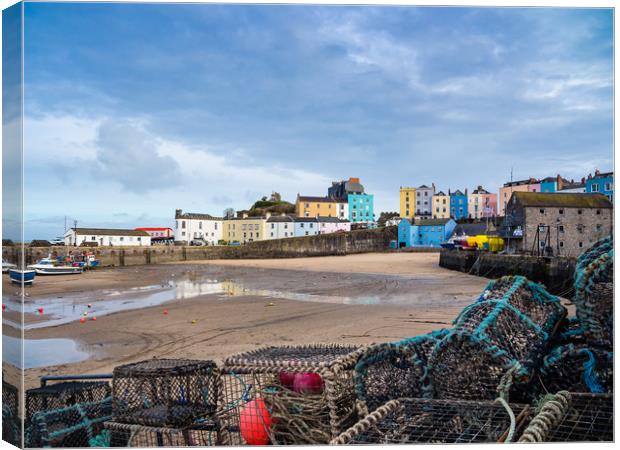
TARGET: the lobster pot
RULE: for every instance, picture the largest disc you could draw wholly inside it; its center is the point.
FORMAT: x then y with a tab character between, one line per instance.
70	426
570	331
289	394
118	434
594	278
412	421
10	419
578	417
59	395
165	392
394	370
577	368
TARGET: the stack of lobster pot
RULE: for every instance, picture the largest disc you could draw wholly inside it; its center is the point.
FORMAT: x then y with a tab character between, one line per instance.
497	342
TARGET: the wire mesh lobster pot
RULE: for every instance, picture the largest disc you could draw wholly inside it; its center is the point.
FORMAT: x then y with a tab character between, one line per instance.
165	392
394	370
570	331
413	420
11	423
289	394
118	434
59	395
577	368
594	282
70	426
508	329
572	417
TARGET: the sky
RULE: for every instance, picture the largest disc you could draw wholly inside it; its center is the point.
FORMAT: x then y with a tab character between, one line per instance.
133	111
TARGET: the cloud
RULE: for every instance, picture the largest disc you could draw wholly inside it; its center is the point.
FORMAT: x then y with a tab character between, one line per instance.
129	155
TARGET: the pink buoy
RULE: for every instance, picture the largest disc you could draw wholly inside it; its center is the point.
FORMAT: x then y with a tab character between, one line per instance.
255	422
165	312
308	383
287	379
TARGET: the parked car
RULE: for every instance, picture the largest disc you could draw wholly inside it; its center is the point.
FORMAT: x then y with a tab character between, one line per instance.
235	243
57	241
197	242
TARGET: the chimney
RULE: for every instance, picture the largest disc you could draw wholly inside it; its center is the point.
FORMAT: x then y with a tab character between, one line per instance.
466	191
177	213
433	185
583	180
597	172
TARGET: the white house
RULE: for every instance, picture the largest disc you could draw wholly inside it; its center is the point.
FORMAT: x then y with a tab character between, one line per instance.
306	226
332	225
107	237
424	201
279	227
193	226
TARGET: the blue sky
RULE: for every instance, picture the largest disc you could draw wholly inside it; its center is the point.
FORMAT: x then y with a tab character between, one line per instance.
132	111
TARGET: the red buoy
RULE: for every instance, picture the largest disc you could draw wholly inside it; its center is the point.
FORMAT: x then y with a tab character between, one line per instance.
308	383
40	310
82	320
287	379
254	422
165	312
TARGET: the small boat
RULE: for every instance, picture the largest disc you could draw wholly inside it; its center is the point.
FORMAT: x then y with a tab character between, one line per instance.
7	265
48	266
22	276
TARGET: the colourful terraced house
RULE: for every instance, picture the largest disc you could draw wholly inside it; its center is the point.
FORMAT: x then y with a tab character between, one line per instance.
458	204
360	204
601	183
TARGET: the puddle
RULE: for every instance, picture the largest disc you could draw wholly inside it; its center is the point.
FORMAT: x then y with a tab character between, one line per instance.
61	309
41	352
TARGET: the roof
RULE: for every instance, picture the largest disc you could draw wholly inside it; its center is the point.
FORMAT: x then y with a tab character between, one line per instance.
559	199
431	222
440	193
246	218
306	198
521	182
324	219
305	219
470	229
423	187
480	190
458	193
280	219
154	228
110	232
604	175
195	216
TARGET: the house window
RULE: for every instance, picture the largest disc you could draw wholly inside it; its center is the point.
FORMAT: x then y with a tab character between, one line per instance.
561	243
599	227
215	225
301	225
121	238
183	224
579	211
561	211
93	238
306	233
541	210
608	186
306	205
561	228
200	225
598	212
580	244
594	187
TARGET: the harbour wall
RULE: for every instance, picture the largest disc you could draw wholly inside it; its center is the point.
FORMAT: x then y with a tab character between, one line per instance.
358	241
556	273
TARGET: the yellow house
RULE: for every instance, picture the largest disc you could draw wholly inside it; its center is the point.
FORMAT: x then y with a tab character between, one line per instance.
320	206
441	206
244	229
407	202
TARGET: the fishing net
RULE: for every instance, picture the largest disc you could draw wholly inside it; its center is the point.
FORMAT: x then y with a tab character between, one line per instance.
394	370
67	393
289	394
594	280
507	329
408	421
70	426
577	368
572	417
11	423
118	434
165	392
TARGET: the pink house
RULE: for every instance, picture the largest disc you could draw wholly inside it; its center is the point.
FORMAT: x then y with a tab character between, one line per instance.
505	192
332	225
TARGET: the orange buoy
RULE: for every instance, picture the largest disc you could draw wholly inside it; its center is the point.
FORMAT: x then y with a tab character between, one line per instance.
82	320
93	318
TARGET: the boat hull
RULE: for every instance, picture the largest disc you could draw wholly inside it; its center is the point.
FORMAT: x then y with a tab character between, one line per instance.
64	270
22	276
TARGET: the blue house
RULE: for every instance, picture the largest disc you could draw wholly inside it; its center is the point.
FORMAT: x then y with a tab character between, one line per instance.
458	204
549	184
602	183
361	208
425	232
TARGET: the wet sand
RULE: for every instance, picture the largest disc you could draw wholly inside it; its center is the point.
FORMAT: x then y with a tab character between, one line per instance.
390	295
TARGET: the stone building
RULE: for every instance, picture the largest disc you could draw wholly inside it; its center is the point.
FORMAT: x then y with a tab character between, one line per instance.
563	224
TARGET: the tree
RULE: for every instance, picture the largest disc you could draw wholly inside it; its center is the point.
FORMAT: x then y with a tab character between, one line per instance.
263	199
229	213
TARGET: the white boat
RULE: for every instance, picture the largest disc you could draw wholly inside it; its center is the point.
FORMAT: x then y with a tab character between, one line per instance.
47	266
7	265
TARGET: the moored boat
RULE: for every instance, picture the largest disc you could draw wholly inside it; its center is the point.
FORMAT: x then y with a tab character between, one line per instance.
6	266
19	276
48	266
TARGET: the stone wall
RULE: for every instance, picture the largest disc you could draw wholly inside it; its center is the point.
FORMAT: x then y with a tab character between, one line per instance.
557	274
359	241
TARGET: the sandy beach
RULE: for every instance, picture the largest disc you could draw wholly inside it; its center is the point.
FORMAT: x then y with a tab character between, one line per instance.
211	309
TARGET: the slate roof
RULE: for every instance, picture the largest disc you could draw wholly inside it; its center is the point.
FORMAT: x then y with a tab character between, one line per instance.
280	219
458	193
305	219
325	219
306	198
196	216
431	222
559	199
109	232
470	229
